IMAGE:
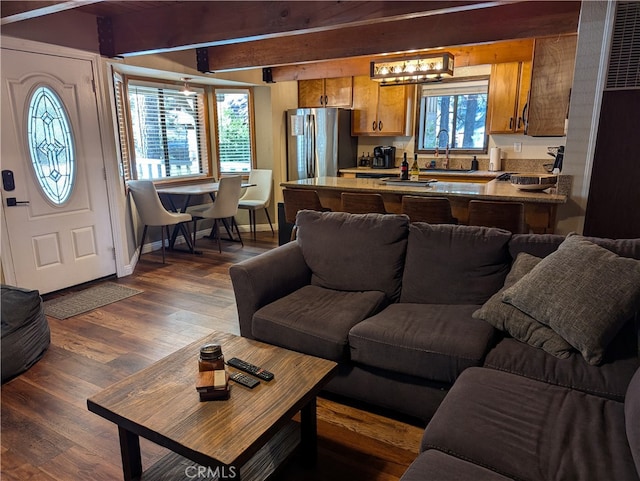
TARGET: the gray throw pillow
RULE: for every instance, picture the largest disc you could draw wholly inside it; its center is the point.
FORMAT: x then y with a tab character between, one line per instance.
582	291
520	326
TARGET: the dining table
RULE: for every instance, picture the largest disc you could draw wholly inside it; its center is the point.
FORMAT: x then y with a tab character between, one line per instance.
186	192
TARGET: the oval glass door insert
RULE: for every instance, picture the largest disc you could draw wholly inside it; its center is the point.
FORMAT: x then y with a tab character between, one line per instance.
51	145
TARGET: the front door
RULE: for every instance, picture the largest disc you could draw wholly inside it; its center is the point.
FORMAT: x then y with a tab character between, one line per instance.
54	194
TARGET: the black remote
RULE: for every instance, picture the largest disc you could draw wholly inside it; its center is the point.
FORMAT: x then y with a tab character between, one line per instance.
250	368
243	379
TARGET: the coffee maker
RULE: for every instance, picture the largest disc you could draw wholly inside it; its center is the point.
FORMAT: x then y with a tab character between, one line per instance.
384	157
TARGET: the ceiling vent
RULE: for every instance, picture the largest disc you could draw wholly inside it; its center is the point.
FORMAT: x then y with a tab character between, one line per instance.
624	61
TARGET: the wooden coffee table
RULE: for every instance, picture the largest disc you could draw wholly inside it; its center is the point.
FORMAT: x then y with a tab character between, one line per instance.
245	437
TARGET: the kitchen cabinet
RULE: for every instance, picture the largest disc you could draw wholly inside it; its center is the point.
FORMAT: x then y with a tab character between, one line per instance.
551	81
381	110
330	92
508	94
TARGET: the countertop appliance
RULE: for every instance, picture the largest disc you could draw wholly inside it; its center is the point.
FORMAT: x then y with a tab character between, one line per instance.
319	143
384	157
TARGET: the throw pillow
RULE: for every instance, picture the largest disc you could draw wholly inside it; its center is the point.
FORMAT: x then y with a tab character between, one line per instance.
519	325
582	291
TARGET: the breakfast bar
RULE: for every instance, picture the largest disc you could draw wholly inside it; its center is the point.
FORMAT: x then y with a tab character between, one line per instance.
540	206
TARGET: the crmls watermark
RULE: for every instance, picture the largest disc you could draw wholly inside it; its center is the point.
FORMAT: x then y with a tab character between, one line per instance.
207	472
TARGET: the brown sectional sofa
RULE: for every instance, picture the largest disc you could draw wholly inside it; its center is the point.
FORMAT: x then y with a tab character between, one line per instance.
406	310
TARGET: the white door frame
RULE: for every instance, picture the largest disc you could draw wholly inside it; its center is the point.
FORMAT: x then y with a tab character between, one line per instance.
115	188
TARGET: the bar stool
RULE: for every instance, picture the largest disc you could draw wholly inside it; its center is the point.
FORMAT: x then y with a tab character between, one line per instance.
300	199
434	210
362	203
504	215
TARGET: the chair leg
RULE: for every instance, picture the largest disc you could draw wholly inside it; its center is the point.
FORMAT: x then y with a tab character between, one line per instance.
217	229
252	223
162	232
266	211
144	234
195	231
233	222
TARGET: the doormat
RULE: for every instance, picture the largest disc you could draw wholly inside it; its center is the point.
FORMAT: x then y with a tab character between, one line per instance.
87	300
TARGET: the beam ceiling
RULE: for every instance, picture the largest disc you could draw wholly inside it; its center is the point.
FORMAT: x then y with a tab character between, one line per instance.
249	34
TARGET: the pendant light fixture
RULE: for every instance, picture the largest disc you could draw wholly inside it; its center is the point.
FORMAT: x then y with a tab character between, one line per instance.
186	90
412	70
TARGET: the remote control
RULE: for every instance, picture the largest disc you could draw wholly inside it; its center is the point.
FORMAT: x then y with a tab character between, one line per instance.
243	379
250	368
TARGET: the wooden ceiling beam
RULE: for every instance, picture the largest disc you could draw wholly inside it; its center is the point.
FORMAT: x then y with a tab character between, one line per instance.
498	23
511	51
194	24
17	11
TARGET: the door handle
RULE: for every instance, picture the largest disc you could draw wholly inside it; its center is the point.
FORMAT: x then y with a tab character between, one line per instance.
12	202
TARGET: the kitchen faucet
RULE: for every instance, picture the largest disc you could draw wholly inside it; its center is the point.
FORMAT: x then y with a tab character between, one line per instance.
446	159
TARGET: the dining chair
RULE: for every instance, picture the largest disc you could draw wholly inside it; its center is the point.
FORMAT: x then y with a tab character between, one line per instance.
504	215
224	207
258	196
152	212
356	203
434	210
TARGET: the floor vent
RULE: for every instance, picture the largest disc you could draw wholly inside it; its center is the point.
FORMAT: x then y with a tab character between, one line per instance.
624	61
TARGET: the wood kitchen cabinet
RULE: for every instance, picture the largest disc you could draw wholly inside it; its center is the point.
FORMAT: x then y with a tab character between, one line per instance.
508	93
551	81
381	110
330	92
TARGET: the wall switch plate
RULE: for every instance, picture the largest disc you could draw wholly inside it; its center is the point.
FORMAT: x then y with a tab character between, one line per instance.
517	146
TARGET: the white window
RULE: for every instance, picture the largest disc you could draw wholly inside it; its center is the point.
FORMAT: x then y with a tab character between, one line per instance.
162	131
234	123
453	114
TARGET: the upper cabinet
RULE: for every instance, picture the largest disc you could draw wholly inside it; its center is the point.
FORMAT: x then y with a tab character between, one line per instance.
380	110
508	93
331	92
551	81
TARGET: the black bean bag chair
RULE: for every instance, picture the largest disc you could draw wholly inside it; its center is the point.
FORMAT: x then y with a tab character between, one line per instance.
25	330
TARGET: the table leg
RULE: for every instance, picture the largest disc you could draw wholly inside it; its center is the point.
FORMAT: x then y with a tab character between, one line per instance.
309	433
130	452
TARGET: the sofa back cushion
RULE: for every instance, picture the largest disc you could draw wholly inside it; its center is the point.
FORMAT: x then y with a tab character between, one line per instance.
454	264
541	245
632	418
354	252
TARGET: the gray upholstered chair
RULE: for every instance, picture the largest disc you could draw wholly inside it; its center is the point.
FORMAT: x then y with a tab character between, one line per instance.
258	196
225	207
152	212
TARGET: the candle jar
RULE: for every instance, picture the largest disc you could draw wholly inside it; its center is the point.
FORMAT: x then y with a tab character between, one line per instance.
211	358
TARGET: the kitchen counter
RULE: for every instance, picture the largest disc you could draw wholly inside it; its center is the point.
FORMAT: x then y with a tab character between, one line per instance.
540	207
458	175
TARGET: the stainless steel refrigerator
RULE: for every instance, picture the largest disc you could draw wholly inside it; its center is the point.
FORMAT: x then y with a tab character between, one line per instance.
319	142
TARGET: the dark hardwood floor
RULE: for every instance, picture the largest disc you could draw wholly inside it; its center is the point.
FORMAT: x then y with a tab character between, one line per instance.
48	433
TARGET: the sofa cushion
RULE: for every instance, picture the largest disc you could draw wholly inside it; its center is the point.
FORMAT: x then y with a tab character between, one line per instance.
632	417
354	252
437	466
25	330
530	430
315	320
525	328
454	264
432	341
583	292
610	379
541	245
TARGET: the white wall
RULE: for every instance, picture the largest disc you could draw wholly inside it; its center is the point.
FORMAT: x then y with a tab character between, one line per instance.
594	32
